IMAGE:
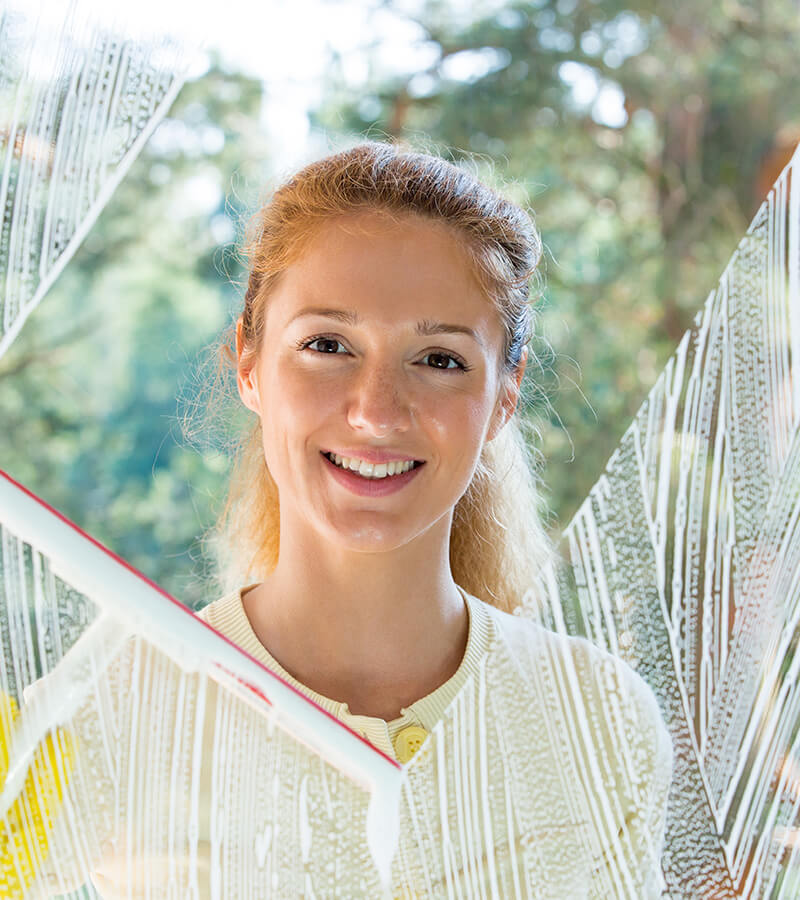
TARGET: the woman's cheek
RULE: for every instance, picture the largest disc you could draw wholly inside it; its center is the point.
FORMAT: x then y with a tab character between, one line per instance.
467	416
302	384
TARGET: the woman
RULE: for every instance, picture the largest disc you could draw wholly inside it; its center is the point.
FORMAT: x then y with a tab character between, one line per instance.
386	517
386	323
368	339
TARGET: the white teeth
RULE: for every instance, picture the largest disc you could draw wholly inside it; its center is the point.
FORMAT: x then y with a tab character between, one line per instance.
372	470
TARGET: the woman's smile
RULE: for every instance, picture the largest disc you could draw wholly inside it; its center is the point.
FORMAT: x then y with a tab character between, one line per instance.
374	484
371	468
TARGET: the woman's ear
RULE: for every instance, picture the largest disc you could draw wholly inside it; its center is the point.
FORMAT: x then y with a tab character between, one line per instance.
246	380
509	395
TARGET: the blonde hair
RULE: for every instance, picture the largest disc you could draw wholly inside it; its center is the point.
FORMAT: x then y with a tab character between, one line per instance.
498	545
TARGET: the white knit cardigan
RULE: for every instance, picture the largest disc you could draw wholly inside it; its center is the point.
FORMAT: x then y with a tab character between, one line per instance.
545	774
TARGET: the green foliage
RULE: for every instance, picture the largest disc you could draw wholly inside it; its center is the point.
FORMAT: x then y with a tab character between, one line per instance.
88	390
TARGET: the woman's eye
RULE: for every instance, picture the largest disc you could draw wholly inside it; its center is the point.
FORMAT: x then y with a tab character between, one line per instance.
325	342
443	360
328	345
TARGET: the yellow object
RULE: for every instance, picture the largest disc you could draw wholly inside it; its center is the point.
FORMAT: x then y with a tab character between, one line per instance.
408	741
25	830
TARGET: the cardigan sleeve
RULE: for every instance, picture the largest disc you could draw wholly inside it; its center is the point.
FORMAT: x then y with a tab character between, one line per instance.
632	759
629	865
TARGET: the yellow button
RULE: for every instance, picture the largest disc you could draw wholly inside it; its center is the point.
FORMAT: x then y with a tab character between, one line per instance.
408	741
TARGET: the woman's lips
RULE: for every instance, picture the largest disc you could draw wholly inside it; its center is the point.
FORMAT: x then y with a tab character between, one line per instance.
372	454
370	487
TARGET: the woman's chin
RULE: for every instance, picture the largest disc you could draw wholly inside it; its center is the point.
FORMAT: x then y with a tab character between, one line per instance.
368	533
369	540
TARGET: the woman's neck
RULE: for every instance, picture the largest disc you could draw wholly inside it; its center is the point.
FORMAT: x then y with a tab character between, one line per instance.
377	631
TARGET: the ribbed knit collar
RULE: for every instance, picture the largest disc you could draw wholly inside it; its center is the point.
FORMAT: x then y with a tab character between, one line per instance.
227	615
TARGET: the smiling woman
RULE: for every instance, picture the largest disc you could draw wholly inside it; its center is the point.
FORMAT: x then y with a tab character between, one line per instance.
385	510
376	390
429	253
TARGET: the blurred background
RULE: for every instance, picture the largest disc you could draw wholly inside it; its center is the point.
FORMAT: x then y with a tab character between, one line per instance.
643	137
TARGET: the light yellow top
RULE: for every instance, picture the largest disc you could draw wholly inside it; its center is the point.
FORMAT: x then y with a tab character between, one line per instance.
543	770
227	616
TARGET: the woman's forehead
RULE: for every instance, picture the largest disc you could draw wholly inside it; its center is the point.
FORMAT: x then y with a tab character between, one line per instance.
365	227
385	270
369	248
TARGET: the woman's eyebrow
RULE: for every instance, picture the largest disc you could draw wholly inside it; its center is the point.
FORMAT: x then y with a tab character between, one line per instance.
423	327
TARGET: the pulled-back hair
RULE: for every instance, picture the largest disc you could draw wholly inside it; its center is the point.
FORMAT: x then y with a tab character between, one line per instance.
498	545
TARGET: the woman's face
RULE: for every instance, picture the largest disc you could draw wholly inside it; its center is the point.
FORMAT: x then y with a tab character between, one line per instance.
379	346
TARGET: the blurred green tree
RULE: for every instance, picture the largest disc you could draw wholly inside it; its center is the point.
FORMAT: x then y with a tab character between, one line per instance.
88	390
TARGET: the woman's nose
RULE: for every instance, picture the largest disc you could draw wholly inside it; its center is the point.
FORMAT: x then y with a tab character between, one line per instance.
379	401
